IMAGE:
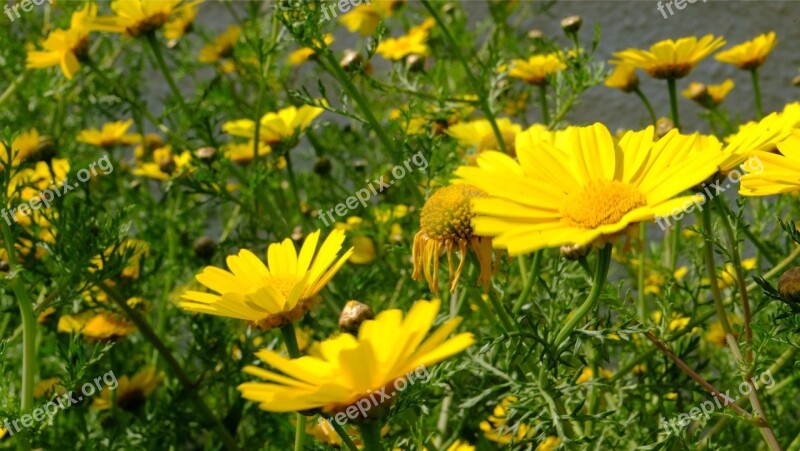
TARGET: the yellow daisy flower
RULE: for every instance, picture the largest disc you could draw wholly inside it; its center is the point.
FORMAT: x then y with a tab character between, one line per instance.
413	43
23	146
221	47
623	78
165	164
459	445
131	393
536	69
348	369
703	94
182	22
242	153
670	59
363	250
780	172
274	295
282	125
365	18
479	134
444	227
751	54
584	188
302	55
137	17
65	48
676	322
100	327
112	134
716	334
753	138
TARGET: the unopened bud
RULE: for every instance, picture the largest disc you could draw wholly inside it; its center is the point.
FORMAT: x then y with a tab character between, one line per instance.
323	166
789	285
353	314
206	153
796	80
535	34
571	24
574	252
355	62
204	248
415	63
663	126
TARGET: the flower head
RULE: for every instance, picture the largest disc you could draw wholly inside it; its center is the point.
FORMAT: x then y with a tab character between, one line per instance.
112	134
751	54
780	172
23	146
221	47
623	78
65	48
273	295
347	368
536	69
480	135
181	22
670	59
302	55
413	43
444	227
282	125
137	17
583	188
131	392
365	18
703	94
98	327
496	427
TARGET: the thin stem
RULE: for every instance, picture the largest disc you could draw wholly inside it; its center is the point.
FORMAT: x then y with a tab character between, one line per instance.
640	274
13	87
344	436
673	103
28	324
727	401
765	429
602	263
172	363
529	282
371	436
640	94
162	65
477	87
543	101
757	92
290	340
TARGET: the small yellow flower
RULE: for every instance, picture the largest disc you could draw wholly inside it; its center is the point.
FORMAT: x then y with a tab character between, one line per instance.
496	428
536	69
137	17
65	48
365	18
23	146
413	43
181	22
112	134
480	135
100	327
670	59
549	444
751	54
282	125
242	153
131	393
676	322
274	295
302	55
671	396
680	273
363	250
716	334
703	94
164	165
386	349
623	78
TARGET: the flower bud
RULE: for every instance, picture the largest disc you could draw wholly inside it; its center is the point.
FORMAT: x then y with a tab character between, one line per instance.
355	62
204	248
663	126
535	34
796	81
574	252
571	24
323	166
353	314
207	154
415	63
789	285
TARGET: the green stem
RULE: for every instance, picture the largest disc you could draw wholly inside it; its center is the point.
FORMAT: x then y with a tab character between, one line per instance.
673	103
162	65
757	92
13	87
602	263
543	101
640	274
290	340
477	87
371	435
344	436
529	282
640	94
28	327
172	363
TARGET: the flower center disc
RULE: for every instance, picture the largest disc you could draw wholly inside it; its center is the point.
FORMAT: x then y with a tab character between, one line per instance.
601	202
447	214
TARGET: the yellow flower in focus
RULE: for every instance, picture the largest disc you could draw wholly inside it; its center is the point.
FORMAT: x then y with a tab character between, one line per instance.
495	428
444	227
181	22
751	54
112	134
365	18
65	48
670	59
413	43
585	188
221	47
363	250
780	172
130	393
275	127
536	69
349	368
623	78
273	295
479	134
137	17
549	444
302	55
